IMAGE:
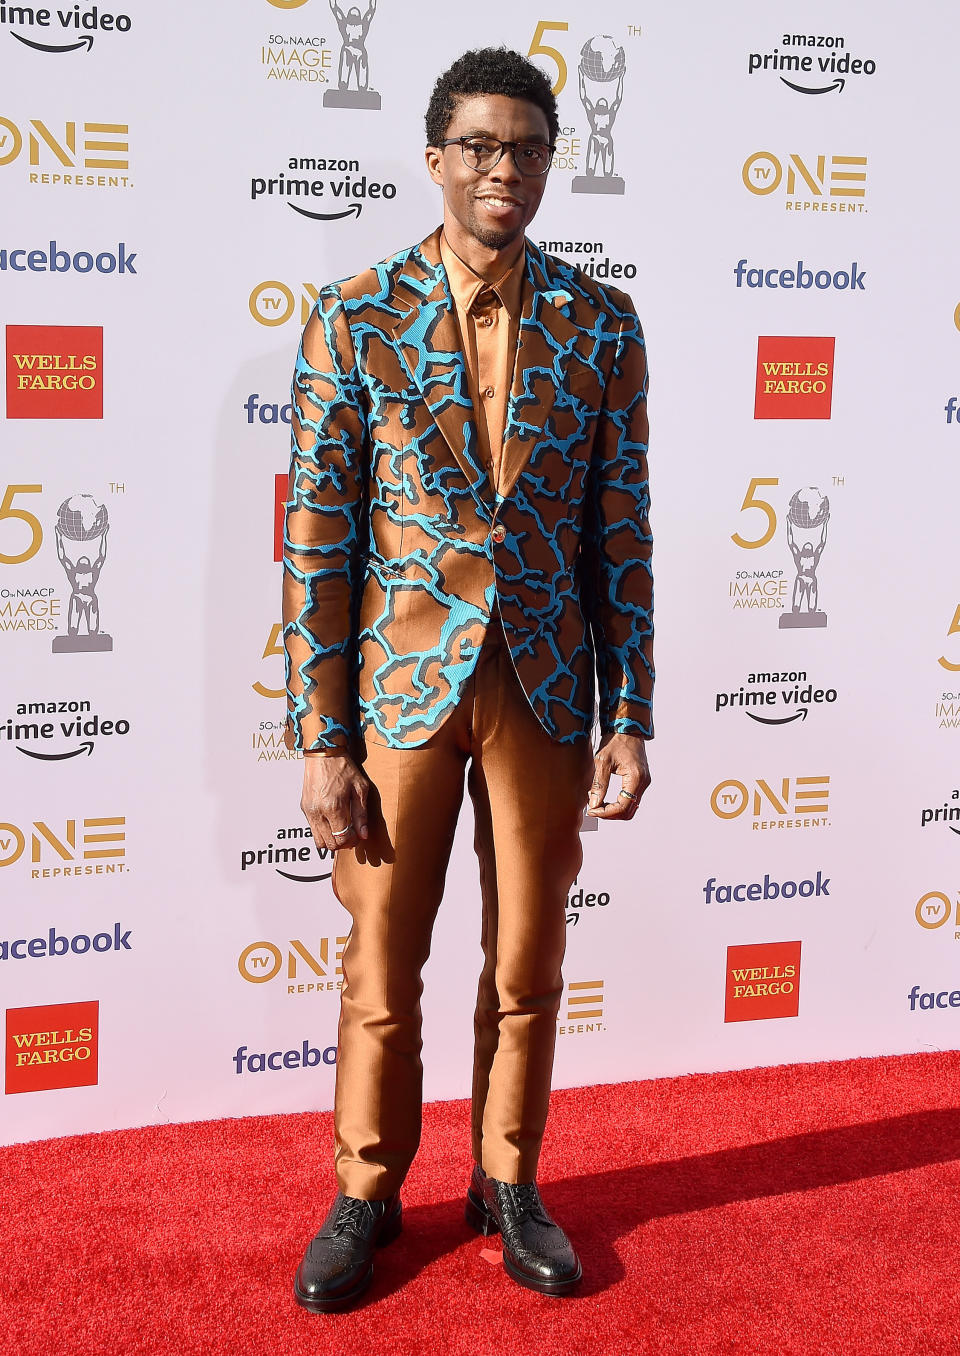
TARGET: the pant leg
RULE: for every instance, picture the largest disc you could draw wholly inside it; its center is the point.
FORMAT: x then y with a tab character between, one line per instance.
528	793
392	891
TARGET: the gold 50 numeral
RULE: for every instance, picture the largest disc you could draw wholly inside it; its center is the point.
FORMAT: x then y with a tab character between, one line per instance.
539	48
751	500
36	531
272	647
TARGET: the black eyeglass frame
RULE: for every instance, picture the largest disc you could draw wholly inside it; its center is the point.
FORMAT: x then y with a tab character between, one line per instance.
504	146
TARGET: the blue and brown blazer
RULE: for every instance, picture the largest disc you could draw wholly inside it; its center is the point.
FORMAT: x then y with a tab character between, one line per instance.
396	548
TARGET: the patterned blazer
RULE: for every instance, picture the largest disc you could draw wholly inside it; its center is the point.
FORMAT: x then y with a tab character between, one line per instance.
397	549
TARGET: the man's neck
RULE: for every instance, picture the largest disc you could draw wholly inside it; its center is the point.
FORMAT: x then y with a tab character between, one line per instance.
487	263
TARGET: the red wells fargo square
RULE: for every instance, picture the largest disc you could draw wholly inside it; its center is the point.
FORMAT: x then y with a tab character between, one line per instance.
55	1046
794	378
54	372
763	980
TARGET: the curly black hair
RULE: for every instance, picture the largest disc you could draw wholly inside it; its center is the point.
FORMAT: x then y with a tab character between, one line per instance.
489	70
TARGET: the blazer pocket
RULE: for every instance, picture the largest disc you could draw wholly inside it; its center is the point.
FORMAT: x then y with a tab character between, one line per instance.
586	386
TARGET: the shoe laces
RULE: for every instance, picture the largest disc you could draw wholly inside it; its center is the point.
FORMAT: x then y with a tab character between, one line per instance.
527	1199
351	1215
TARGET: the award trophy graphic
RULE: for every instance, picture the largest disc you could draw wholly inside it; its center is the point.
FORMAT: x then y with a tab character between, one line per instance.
807	518
81	533
602	64
354	65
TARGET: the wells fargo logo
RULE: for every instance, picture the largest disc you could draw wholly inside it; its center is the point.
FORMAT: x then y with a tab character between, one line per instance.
794	378
54	158
54	372
790	803
763	981
55	1046
306	971
583	1005
821	183
99	850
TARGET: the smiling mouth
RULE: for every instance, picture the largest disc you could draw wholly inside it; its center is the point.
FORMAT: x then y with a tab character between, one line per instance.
496	201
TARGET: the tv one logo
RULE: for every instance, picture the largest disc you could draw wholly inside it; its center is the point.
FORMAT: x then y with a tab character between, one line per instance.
793	803
820	183
763	981
54	1046
306	971
55	855
274	303
935	910
583	1005
53	157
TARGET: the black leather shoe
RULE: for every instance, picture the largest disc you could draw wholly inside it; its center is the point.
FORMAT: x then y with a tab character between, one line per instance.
338	1265
536	1251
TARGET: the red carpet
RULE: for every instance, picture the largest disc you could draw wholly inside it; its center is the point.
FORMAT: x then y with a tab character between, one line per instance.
812	1208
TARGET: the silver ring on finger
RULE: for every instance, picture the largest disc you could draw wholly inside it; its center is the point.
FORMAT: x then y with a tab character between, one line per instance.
629	795
338	833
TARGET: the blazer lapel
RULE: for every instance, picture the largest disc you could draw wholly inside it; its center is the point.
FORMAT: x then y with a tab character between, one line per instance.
428	338
545	340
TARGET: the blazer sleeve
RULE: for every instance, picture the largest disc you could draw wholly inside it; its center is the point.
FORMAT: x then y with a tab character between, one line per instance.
617	544
323	532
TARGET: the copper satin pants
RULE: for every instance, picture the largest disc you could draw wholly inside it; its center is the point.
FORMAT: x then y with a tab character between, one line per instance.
528	793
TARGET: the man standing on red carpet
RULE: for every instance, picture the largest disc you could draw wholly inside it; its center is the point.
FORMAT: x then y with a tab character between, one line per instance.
466	561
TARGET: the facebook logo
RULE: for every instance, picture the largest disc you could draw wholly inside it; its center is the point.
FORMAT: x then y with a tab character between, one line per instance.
802	278
55	260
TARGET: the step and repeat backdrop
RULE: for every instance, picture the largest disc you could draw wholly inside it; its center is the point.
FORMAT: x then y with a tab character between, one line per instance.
177	183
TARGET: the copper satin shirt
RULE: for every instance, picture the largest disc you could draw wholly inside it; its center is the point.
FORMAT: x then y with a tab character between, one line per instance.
489	318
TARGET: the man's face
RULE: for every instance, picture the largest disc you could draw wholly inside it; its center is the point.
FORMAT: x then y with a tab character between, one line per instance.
496	207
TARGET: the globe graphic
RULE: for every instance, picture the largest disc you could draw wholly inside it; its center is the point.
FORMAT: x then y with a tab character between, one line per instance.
81	518
602	60
808	508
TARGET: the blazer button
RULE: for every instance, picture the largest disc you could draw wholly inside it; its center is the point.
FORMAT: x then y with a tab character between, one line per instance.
498	534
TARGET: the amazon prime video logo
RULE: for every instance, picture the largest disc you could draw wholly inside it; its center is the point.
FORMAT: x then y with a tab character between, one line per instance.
600	75
323	189
293	855
811	63
775	697
72	29
53	731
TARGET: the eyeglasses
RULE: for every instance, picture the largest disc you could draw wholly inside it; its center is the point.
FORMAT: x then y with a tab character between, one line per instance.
483	153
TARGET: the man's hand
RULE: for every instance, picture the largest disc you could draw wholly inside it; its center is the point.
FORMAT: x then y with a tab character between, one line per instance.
625	755
334	800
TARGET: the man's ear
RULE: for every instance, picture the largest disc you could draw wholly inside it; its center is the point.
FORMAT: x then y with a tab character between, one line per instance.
434	158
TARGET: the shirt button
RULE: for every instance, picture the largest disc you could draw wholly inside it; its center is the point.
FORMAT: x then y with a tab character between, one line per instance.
489	393
498	534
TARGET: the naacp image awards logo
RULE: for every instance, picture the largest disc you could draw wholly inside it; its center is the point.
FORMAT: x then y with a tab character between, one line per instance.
353	70
807	519
81	534
601	70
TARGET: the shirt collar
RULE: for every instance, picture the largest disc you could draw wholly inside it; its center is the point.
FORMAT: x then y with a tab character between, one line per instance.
466	285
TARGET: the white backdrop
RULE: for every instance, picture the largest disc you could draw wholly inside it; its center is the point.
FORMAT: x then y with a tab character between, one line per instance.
212	956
